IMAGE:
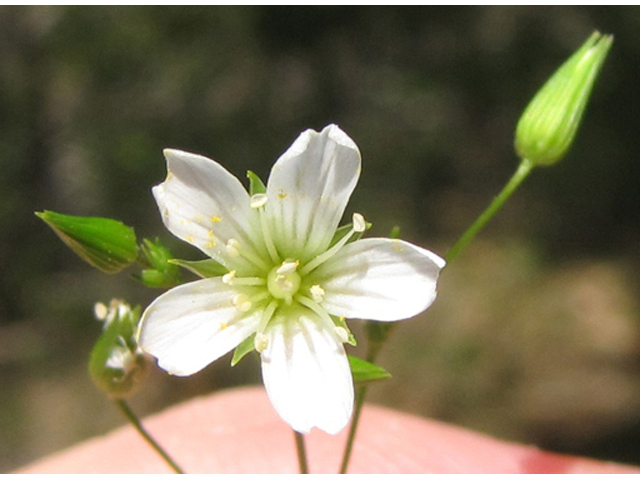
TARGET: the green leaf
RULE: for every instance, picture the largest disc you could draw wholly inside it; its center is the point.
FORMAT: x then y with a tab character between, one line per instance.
106	244
255	184
246	346
204	268
365	372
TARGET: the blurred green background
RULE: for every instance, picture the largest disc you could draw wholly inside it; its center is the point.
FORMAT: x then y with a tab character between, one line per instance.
536	334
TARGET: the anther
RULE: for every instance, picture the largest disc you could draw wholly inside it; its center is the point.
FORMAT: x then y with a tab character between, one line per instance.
242	302
258	200
287	267
260	342
342	333
100	310
228	278
359	224
233	247
317	293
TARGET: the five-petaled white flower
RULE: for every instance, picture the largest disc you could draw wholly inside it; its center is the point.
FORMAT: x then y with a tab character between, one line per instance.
287	275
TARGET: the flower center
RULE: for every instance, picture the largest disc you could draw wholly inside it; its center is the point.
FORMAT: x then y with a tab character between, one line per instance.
283	281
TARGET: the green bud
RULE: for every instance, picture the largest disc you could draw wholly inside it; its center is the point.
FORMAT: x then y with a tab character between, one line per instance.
549	124
117	364
105	243
164	273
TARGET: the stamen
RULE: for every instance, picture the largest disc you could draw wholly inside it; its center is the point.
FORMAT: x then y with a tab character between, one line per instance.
100	310
315	308
228	278
266	234
242	302
288	266
266	315
233	247
317	293
359	226
342	333
261	342
258	200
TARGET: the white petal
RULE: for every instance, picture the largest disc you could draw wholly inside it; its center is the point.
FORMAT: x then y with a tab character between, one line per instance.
205	205
194	324
306	373
308	190
379	279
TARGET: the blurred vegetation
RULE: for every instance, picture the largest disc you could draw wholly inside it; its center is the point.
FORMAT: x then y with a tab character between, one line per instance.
536	334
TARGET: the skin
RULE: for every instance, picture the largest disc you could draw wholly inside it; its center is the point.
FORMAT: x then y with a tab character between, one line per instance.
237	431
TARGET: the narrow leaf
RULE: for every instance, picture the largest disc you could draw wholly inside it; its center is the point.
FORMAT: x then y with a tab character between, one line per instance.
365	372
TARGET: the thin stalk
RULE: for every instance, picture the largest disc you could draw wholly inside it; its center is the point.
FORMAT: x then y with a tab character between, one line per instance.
372	352
521	173
123	406
514	182
302	452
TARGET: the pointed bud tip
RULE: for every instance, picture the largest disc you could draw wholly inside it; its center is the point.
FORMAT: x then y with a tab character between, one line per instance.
550	122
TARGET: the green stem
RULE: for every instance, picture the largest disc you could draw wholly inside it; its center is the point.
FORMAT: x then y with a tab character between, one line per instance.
523	171
372	352
302	452
123	406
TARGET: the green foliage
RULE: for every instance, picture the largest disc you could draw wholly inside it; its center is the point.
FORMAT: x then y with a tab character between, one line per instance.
106	244
366	372
117	366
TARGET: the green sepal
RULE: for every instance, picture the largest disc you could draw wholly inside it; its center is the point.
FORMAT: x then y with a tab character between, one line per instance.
344	230
365	372
203	268
255	184
341	322
117	342
549	124
395	232
246	346
164	273
107	244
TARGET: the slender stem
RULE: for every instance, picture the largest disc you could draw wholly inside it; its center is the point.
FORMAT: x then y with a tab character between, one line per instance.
123	406
302	452
373	348
521	173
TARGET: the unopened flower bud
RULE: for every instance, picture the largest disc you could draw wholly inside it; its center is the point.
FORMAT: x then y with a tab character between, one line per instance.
117	364
105	243
549	124
164	273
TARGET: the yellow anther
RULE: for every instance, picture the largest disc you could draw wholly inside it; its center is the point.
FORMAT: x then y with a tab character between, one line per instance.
215	219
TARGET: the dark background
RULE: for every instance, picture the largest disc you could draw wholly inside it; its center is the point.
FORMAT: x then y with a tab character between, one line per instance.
536	333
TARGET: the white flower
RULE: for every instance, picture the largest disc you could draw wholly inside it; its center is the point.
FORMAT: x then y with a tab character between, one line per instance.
285	276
